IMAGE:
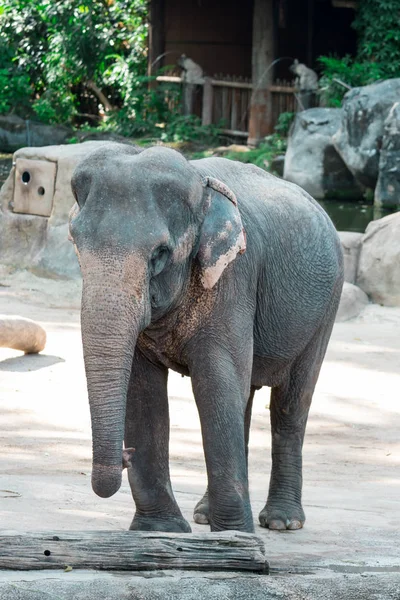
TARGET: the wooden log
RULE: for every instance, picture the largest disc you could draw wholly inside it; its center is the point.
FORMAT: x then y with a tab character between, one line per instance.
21	334
132	551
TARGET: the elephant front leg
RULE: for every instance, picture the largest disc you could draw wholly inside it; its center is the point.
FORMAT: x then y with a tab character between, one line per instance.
221	395
147	430
202	508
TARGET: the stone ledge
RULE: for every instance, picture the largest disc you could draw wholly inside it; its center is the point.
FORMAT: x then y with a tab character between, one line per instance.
92	585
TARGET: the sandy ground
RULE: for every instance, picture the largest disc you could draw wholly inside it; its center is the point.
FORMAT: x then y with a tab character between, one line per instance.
351	454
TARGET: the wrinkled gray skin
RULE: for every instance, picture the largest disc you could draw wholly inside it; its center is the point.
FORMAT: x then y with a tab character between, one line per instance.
164	286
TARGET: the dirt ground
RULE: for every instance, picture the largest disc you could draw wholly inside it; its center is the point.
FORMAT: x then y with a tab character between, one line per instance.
351	453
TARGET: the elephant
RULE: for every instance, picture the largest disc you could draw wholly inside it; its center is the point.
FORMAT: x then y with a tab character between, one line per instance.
224	273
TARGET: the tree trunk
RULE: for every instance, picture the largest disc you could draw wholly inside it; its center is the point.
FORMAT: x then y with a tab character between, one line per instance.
156	42
260	121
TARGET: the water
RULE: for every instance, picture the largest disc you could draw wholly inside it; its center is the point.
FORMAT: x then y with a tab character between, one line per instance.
353	216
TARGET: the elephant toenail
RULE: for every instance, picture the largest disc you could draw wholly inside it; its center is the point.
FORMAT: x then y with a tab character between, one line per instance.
277	524
200	519
295	524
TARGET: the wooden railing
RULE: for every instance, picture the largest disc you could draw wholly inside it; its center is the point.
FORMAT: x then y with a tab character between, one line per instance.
283	99
226	101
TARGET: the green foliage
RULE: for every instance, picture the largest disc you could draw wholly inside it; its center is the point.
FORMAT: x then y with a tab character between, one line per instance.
146	109
189	129
64	51
15	89
55	108
378	26
341	74
284	123
378	56
263	155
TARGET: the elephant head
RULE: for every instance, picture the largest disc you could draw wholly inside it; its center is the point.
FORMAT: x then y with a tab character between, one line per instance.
140	220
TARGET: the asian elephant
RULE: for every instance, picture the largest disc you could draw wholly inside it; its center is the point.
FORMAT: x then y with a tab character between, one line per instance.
222	272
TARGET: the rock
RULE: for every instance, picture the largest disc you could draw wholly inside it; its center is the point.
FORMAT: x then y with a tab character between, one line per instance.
30	241
5	166
360	135
17	133
311	160
351	244
352	302
387	191
378	271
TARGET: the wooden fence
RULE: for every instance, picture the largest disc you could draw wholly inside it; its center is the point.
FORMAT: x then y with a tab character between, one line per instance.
225	101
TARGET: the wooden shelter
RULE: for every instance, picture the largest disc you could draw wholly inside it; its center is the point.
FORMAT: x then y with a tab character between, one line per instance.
252	41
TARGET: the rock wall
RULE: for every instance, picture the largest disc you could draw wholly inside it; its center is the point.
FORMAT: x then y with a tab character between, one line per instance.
387	191
359	138
378	272
343	153
28	239
311	160
16	133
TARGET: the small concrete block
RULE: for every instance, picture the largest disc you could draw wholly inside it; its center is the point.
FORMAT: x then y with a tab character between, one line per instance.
34	187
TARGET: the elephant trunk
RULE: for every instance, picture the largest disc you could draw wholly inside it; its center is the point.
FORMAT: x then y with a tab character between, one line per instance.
112	317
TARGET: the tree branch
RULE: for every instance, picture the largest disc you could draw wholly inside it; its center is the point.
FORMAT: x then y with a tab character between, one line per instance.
97	91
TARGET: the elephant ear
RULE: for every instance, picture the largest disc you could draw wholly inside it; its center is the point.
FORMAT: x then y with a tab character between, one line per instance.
222	235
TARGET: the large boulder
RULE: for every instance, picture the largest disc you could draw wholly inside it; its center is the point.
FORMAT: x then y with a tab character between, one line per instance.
311	160
359	138
16	133
34	206
351	245
378	271
387	191
352	302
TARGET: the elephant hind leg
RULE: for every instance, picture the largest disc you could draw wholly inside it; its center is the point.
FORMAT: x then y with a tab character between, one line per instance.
201	510
289	407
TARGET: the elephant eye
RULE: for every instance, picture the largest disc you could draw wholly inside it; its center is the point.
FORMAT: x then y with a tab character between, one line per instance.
159	260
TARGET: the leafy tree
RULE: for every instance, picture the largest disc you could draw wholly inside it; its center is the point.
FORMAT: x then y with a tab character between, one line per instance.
340	74
378	26
377	23
67	50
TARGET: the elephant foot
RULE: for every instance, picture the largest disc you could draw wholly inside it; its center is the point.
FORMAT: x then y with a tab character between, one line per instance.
201	511
201	515
168	524
281	517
